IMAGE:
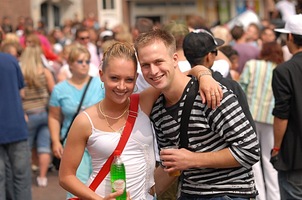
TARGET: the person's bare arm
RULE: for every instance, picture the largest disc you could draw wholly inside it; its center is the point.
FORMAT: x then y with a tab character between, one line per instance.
50	80
210	90
162	180
279	131
182	159
147	99
72	156
54	124
22	93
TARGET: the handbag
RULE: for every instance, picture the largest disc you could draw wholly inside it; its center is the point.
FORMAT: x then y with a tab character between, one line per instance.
56	161
133	108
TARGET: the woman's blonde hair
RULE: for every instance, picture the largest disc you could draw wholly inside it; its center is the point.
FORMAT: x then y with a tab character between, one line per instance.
75	52
119	50
31	65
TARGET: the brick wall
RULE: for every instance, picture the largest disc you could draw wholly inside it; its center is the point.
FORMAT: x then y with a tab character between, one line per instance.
14	9
90	6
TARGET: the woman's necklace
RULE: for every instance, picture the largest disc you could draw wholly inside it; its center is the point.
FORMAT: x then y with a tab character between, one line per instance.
107	116
115	118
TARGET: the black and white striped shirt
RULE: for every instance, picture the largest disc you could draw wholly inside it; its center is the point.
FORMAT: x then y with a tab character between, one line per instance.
211	130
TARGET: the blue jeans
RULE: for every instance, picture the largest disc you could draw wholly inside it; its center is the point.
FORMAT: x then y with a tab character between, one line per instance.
39	135
290	183
213	198
18	156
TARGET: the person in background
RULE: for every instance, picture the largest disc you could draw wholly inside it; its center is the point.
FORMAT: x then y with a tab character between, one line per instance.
14	148
285	9
82	37
179	30
253	34
256	81
12	49
203	166
245	50
286	83
6	24
142	25
32	37
267	35
64	101
233	56
39	84
223	33
65	72
200	48
32	40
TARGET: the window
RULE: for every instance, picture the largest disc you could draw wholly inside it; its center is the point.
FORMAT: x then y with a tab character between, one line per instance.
108	4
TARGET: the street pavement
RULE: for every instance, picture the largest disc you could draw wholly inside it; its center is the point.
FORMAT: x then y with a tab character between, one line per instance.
53	191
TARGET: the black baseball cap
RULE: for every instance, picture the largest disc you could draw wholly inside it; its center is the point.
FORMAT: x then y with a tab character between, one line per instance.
199	43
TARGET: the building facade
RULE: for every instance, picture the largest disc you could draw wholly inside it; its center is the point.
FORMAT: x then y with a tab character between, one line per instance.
112	12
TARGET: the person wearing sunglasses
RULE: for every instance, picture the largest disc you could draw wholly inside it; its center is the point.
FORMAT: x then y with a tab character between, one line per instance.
82	37
64	102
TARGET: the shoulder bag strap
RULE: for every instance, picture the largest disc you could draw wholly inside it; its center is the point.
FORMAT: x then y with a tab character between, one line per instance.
79	108
134	100
186	115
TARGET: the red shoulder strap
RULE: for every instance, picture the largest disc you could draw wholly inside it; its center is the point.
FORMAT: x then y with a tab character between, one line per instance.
134	100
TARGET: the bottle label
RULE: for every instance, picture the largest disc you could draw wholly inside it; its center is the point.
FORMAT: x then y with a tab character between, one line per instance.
119	185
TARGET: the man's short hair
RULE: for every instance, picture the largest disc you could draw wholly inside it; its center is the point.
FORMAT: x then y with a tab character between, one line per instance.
147	38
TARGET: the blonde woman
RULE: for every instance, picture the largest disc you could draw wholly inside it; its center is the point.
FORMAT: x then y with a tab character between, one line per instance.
39	84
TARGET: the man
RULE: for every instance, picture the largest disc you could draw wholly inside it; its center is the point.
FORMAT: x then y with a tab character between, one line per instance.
13	132
82	37
285	8
245	50
286	83
222	145
200	48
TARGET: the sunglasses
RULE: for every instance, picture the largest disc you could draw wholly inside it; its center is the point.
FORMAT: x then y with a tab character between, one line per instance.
84	38
82	61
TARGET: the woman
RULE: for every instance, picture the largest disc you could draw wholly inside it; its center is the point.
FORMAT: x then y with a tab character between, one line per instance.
65	100
100	128
39	84
256	80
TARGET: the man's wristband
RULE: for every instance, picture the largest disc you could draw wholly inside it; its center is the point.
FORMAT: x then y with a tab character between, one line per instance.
203	73
277	149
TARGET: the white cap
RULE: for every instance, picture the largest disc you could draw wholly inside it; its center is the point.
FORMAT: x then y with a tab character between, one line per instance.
106	33
293	25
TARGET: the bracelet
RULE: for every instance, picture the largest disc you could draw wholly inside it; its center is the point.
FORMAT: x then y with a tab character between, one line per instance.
276	149
203	73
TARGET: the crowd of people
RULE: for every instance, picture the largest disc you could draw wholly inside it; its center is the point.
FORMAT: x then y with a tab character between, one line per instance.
66	93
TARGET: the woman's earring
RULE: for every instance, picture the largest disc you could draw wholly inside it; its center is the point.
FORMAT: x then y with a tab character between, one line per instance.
102	85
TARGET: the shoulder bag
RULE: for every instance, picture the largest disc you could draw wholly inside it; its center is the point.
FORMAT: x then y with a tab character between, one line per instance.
56	161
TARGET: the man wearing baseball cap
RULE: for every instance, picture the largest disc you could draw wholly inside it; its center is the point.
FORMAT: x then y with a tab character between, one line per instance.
200	48
286	83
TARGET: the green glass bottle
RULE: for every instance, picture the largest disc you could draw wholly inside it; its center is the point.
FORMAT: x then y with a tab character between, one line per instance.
118	175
